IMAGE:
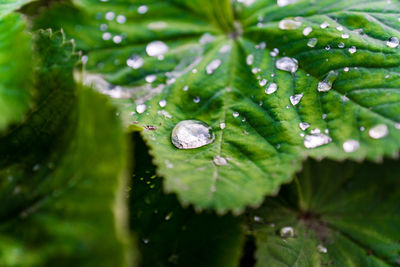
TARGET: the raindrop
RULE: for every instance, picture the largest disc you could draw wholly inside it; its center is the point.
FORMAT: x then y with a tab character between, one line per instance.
235	114
250	59
168	216
322	249
287	232
142	9
312	42
156	48
324	25
339	28
222	125
328	47
352	49
285	2
185	88
255	70
103	27
257	219
393	42
295	99
121	19
219	161
189	134
289	24
326	84
150	78
140	108
135	61
379	131
341	45
346	69
287	64
110	15
196	99
272	87
274	52
263	82
307	31
206	38
351	146
117	39
345	36
304	125
316	140
213	65
106	36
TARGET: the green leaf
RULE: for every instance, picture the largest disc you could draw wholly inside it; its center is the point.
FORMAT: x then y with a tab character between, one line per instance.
61	190
170	235
340	216
262	141
8	6
15	69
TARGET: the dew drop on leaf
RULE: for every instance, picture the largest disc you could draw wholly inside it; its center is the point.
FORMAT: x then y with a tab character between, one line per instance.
219	161
351	146
150	78
312	42
393	42
322	249
135	61
162	103
142	9
324	25
352	49
304	125
206	38
289	24
287	232
196	99
327	83
307	31
213	65
316	140
140	108
272	87
287	64
189	134
345	36
295	99
379	131
235	114
222	125
250	59
121	19
263	82
285	2
110	15
156	48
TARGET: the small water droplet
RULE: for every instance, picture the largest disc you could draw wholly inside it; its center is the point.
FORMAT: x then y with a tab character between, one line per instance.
206	38
121	19
295	99
110	15
272	87
341	45
304	125
263	82
327	83
307	31
150	78
162	103
312	42
168	216
186	88
345	36
353	50
287	64
142	9
250	59
156	48
117	39
189	134
289	24
135	61
257	219
324	25
393	42
255	70
196	99
140	108
316	140
379	131
346	69
235	114
213	65
287	232
222	125
351	146
286	2
274	52
225	48
106	36
219	161
339	28
145	240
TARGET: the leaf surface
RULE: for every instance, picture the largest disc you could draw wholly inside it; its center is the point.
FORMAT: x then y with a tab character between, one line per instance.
261	139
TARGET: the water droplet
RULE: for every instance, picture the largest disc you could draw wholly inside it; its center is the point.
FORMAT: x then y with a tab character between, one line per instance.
250	59
379	131
213	65
168	216
327	83
206	38
186	88
274	52
156	48
307	31
351	146
272	87
196	99
393	42
345	36
106	36
261	45
339	28
235	114
289	24
263	82
150	78
145	240
162	103
304	125
142	9
158	25
316	140
189	134
341	45
135	61
257	219
255	70
117	39
219	161
121	19
287	232
225	48
352	49
141	108
322	249
312	42
287	64
222	125
295	99
285	2
324	25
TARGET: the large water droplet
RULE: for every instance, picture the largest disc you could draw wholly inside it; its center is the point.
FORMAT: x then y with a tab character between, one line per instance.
316	140
295	99
189	134
312	42
289	24
287	64
213	65
327	83
393	42
156	48
351	146
140	108
135	61
142	9
272	87
379	131
287	232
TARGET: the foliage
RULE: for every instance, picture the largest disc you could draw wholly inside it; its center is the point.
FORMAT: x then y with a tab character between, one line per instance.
281	84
